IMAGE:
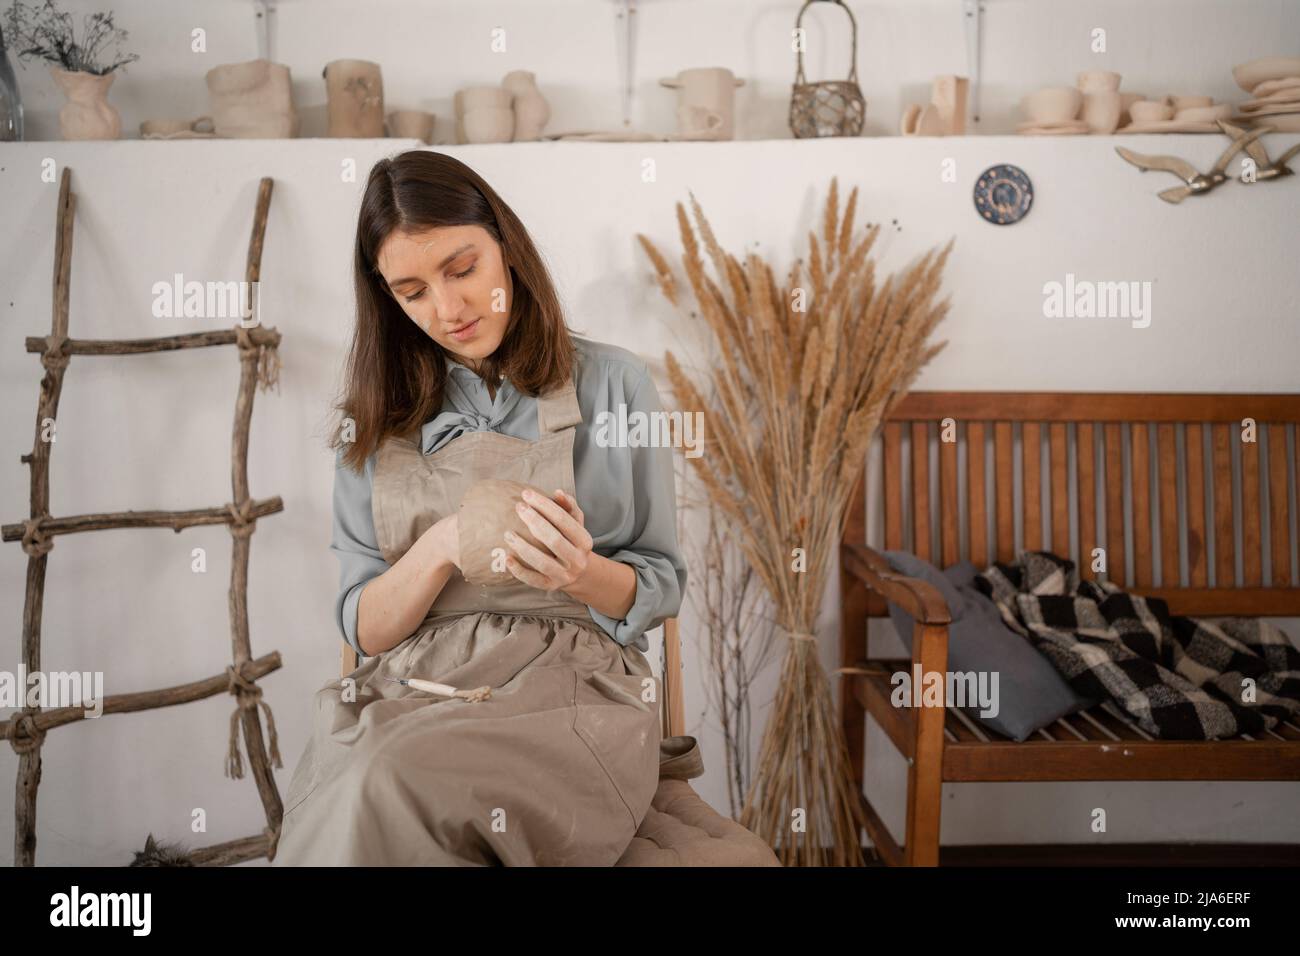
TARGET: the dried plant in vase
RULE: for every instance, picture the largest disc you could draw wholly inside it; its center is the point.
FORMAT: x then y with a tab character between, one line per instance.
804	373
48	34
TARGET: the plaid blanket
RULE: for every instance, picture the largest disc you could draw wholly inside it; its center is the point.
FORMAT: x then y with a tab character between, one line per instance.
1181	678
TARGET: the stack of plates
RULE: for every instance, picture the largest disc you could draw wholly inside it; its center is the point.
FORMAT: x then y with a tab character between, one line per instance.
1073	127
1274	86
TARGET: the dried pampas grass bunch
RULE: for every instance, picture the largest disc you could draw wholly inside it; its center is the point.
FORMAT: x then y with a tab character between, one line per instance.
806	371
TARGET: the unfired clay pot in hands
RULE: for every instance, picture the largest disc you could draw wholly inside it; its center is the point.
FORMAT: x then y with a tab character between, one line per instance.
355	93
252	100
530	106
88	114
487	512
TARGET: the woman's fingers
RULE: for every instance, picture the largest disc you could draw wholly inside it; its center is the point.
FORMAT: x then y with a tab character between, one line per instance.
549	535
570	505
527	575
567	523
534	558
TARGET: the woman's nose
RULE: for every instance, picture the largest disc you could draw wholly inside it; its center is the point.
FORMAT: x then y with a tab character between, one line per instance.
447	307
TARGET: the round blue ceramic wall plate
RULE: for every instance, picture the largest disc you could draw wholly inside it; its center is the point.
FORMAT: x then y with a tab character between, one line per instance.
1003	194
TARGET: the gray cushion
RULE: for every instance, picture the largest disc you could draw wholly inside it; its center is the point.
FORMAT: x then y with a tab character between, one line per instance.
1031	692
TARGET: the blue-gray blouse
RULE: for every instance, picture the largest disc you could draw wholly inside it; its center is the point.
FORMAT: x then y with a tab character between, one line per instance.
627	494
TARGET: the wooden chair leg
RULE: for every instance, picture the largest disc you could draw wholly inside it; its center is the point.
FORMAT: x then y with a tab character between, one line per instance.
925	775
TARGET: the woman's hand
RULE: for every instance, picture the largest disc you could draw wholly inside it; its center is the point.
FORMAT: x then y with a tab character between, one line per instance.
558	524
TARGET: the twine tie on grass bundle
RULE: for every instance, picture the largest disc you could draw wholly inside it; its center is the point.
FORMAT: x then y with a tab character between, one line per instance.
249	695
267	358
801	636
23	734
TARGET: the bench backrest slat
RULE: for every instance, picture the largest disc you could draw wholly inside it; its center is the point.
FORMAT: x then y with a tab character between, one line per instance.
1191	497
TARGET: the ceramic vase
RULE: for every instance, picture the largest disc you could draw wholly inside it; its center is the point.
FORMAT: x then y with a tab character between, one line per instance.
948	95
713	89
11	100
87	114
530	106
252	100
1102	109
411	124
489	124
355	93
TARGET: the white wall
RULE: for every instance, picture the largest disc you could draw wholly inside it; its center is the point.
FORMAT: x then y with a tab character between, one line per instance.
153	431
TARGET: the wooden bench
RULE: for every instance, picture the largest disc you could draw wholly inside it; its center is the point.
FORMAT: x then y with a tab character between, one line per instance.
1181	450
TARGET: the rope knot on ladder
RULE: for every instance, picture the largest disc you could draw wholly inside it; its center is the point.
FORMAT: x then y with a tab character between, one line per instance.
249	696
55	354
23	734
267	357
35	542
245	522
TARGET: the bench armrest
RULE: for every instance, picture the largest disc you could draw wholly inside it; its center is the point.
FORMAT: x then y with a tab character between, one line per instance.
921	600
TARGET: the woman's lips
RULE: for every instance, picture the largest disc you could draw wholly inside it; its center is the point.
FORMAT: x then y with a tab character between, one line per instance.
466	332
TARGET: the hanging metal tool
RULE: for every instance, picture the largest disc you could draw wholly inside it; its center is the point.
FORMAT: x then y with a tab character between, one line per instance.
626	37
262	24
972	17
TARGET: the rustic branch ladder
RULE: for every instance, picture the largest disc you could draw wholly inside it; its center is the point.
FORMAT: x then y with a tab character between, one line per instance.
259	363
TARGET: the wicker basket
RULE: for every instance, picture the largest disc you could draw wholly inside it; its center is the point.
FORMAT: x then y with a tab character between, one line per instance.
832	107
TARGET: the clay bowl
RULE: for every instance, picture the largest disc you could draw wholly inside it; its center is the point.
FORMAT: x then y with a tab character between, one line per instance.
1203	114
1054	104
1150	111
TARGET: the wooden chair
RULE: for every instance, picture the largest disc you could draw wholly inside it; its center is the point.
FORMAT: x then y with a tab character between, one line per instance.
672	709
1086	435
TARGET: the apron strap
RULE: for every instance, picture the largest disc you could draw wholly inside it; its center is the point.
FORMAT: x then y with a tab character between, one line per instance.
558	409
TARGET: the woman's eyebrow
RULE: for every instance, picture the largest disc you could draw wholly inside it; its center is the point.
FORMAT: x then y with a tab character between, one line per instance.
452	255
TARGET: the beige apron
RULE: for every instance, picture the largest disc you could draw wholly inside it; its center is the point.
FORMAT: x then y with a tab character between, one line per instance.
557	767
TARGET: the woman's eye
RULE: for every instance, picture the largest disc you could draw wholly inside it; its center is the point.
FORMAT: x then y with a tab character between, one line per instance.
412	298
461	275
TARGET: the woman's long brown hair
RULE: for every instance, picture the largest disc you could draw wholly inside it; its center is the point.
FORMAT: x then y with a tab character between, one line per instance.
395	373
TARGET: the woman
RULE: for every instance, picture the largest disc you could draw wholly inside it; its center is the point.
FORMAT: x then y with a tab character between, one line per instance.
462	369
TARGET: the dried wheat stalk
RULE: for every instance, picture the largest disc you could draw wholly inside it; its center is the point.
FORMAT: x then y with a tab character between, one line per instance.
806	372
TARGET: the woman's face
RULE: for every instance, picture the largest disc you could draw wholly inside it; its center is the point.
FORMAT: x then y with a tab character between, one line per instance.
453	283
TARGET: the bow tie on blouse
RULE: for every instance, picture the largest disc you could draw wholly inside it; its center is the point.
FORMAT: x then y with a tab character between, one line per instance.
446	426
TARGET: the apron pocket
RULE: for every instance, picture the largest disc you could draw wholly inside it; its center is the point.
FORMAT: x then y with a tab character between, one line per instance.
622	733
